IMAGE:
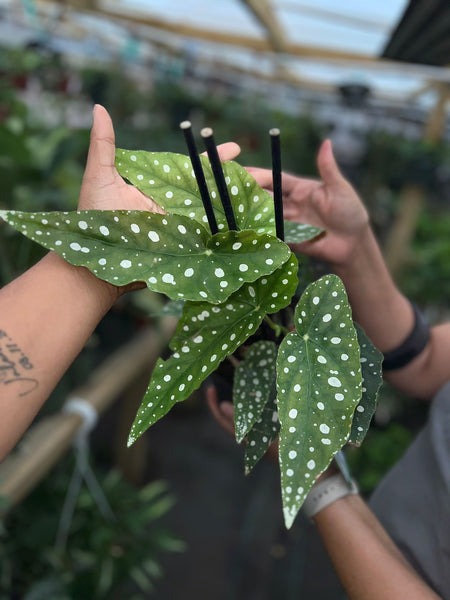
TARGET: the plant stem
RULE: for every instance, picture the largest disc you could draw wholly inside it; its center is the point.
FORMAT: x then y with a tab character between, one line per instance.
279	329
233	360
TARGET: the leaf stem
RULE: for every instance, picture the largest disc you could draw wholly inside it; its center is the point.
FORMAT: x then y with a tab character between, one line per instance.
279	329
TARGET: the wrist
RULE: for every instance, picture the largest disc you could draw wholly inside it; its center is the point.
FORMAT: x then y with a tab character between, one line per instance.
362	246
326	492
105	293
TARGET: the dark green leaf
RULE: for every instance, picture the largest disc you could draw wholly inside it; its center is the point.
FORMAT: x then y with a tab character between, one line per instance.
319	386
172	308
296	233
169	179
372	378
263	433
172	254
205	335
252	383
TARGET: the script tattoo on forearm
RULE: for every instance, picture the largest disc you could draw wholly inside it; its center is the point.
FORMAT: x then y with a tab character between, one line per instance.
15	367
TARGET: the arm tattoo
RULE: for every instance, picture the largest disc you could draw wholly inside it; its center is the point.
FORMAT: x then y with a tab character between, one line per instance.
15	367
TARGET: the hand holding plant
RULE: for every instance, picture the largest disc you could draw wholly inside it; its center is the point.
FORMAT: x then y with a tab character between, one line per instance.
308	390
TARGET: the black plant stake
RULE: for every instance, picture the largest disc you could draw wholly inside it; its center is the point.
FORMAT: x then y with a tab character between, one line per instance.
199	175
276	178
207	135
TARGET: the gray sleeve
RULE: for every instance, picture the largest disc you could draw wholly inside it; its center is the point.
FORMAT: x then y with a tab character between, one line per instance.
413	500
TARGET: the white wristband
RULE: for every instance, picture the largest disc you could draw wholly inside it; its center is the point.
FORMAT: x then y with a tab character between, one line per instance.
326	492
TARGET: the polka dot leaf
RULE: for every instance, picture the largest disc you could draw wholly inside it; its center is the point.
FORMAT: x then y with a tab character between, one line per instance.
252	383
372	378
205	335
318	386
172	308
173	254
266	295
263	432
168	178
296	233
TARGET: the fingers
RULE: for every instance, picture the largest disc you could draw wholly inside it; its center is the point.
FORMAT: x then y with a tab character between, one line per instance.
228	151
327	165
102	148
263	177
222	412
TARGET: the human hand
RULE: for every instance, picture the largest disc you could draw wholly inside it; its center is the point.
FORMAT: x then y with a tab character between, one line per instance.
331	204
103	188
223	413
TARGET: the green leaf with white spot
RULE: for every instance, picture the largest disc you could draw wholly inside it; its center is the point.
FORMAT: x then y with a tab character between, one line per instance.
296	233
171	253
173	308
205	335
372	378
319	387
266	295
253	379
169	179
263	432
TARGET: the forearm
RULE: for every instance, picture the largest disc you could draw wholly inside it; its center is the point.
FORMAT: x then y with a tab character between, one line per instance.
366	560
377	304
387	317
46	317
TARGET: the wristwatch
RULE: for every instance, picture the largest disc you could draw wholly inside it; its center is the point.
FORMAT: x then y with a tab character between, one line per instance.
329	490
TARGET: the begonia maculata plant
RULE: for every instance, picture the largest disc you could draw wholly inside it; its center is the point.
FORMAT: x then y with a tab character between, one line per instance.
315	387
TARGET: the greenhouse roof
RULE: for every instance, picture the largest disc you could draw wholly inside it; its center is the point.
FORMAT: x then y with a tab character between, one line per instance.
317	45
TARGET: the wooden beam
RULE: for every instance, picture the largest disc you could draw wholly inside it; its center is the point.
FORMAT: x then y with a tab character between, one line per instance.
334	16
266	16
398	243
436	122
412	200
108	9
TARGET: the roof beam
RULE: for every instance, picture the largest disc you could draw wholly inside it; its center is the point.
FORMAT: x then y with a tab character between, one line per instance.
105	8
219	37
265	14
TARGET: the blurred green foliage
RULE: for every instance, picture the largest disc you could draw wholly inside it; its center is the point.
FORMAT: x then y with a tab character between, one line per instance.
427	276
104	559
40	169
393	161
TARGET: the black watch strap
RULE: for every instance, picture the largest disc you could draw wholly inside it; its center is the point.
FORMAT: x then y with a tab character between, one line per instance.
412	346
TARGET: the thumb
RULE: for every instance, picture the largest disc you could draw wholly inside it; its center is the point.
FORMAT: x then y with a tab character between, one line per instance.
102	149
327	165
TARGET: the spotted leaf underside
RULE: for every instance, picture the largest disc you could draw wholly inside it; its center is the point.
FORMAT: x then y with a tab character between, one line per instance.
171	253
296	233
318	386
253	379
205	336
372	378
263	432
